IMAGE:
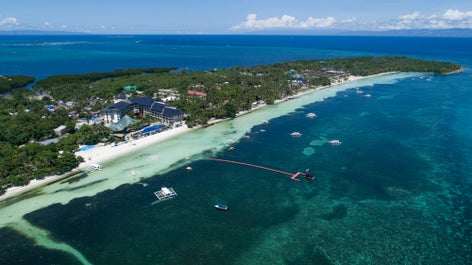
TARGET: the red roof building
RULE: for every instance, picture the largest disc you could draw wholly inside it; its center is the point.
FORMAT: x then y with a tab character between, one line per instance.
196	93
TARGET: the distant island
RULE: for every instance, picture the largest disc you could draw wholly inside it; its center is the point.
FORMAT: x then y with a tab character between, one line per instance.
43	127
450	32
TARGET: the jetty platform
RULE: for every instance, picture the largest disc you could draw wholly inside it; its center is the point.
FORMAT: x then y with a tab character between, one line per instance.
293	176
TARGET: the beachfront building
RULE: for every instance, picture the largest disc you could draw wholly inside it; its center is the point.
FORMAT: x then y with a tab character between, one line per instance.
114	112
142	106
122	125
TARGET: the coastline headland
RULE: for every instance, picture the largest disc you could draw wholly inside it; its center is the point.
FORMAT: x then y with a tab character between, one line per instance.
107	155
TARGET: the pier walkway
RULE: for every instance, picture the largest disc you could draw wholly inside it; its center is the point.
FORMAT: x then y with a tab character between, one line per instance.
293	176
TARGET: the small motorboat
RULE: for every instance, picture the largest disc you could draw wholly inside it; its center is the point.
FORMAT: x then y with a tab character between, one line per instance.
189	169
295	134
335	142
221	207
231	148
309	175
311	115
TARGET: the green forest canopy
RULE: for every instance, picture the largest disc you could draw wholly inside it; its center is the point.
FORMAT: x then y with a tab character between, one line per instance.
9	83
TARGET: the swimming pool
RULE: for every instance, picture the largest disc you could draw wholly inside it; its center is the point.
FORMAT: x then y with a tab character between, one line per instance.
87	147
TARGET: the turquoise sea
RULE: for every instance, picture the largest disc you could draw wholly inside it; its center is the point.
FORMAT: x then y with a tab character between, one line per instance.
397	191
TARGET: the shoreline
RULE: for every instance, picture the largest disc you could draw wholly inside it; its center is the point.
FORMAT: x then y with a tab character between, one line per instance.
97	155
104	153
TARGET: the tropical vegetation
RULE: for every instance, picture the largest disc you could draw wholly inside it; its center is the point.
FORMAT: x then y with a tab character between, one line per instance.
30	148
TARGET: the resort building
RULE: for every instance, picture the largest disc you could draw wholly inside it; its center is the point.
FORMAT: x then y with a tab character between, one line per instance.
196	93
114	112
61	130
142	106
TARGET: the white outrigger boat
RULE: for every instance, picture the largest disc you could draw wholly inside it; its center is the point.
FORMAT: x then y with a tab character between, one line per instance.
95	167
165	193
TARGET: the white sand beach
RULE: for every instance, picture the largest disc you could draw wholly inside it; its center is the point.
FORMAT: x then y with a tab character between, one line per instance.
97	155
101	154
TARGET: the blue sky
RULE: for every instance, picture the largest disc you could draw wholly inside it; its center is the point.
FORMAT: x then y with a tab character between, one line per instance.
232	17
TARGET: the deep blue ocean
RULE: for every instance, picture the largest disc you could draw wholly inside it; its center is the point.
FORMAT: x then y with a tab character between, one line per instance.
397	191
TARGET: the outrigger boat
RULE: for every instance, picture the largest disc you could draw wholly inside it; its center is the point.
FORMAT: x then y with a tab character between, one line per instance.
95	167
165	193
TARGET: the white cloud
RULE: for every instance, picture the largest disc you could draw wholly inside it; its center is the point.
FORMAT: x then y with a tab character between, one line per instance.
411	16
349	20
449	19
9	21
283	22
318	22
457	15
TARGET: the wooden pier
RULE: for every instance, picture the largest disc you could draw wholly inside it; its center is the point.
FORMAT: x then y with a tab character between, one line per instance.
293	176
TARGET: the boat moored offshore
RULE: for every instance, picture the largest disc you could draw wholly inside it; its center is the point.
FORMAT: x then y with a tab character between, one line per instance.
95	167
335	142
221	207
311	115
165	193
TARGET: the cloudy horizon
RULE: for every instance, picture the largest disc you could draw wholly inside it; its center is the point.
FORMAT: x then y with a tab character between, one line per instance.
209	17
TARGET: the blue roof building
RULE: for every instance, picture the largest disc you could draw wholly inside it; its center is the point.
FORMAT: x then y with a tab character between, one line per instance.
143	106
143	101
